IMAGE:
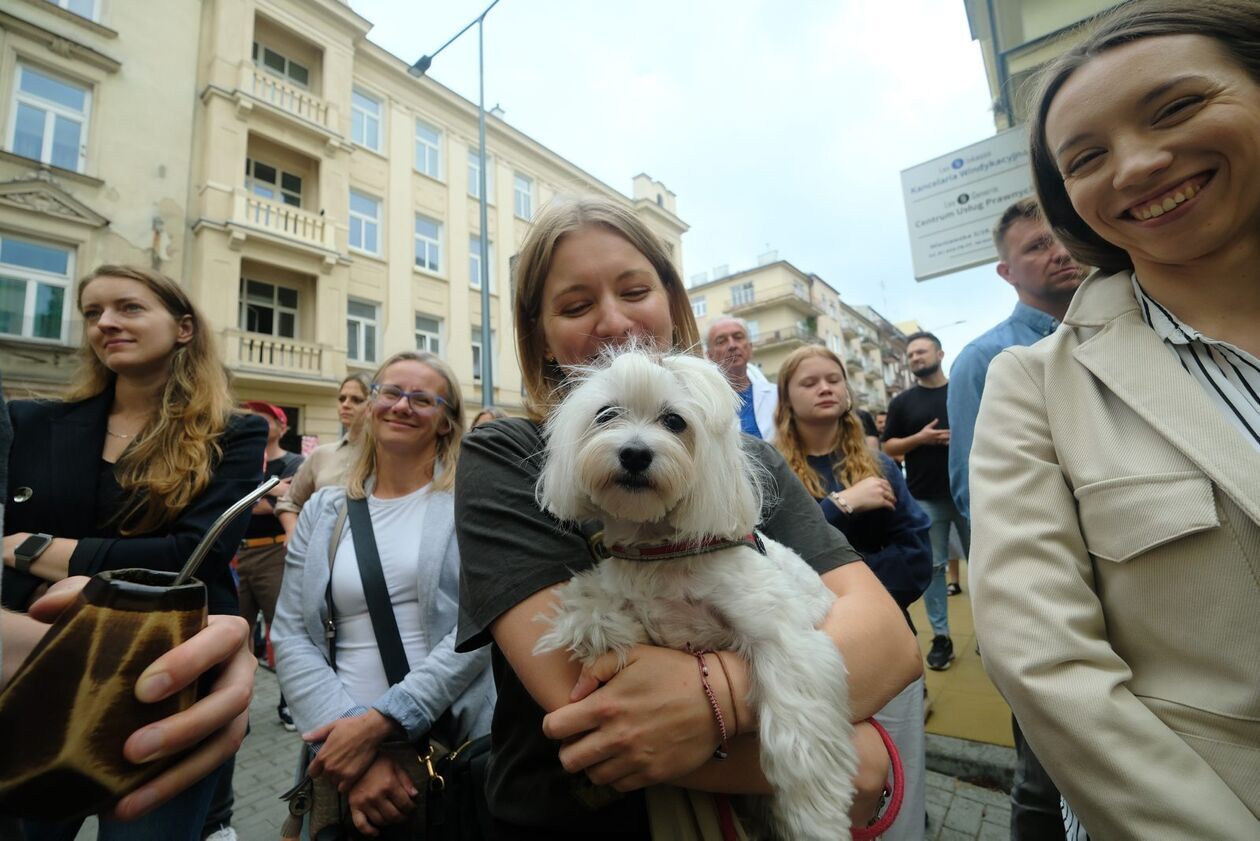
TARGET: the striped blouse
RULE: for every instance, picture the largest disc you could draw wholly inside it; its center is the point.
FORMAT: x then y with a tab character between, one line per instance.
1229	375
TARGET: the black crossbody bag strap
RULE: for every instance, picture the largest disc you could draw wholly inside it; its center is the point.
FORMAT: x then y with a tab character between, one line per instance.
376	592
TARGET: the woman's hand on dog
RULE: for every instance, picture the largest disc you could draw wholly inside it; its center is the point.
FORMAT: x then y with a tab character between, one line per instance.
869	494
647	723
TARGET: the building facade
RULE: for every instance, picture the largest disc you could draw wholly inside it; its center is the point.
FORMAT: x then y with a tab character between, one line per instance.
786	308
319	203
1019	37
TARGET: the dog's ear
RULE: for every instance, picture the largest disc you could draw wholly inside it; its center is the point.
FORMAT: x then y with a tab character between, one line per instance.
708	387
725	499
557	490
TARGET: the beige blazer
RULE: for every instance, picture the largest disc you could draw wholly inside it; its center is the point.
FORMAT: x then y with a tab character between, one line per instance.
326	465
1116	575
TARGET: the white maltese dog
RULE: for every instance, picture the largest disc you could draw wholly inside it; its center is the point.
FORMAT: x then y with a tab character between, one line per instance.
650	445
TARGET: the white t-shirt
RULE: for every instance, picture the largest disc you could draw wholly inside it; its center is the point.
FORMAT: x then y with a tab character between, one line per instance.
398	526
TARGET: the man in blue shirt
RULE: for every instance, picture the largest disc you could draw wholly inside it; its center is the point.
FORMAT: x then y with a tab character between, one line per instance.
1045	278
730	347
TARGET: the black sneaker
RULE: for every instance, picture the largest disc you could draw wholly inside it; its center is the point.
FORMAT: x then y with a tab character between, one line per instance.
287	720
953	588
941	655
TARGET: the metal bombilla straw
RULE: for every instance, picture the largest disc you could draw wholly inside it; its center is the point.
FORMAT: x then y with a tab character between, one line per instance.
203	548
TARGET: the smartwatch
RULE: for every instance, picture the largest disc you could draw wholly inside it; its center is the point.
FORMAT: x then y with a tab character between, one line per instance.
30	549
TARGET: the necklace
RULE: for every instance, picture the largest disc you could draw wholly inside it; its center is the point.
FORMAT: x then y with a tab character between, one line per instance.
109	431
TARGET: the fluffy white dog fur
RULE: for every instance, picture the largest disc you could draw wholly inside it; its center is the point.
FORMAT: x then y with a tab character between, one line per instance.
700	483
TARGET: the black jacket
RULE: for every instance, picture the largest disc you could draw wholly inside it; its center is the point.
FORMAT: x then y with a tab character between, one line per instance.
57	456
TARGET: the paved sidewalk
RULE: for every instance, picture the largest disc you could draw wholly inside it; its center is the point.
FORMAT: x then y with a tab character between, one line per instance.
959	811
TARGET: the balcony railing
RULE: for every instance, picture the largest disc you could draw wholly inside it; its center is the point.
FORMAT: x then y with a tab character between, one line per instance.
282	220
274	354
286	97
797	334
795	298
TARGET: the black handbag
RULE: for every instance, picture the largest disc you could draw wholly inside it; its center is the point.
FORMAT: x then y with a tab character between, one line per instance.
452	804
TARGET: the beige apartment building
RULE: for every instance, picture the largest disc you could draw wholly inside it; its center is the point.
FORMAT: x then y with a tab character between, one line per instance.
1017	38
319	202
786	308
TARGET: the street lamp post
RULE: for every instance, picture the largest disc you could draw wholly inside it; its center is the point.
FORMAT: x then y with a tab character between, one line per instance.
418	69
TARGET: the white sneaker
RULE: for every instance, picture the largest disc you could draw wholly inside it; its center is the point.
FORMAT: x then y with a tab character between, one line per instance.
222	834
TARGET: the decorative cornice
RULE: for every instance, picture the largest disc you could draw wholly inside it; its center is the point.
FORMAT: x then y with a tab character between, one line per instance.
41	194
76	19
58	43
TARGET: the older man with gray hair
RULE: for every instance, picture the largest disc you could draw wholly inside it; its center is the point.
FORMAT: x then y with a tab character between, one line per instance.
729	345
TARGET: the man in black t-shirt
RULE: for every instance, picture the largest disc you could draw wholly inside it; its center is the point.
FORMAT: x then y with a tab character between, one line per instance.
917	428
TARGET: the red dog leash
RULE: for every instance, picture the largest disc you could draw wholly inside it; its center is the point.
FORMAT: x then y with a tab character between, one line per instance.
726	818
898	793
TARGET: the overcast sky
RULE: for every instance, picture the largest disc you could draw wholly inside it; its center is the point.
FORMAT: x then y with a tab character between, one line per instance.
780	124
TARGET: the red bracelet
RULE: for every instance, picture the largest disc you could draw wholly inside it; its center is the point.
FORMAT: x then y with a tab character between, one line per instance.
720	752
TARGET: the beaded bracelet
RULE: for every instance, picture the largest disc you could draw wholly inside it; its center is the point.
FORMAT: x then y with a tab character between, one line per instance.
720	752
730	688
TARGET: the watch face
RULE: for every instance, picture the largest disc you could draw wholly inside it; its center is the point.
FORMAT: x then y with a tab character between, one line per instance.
32	546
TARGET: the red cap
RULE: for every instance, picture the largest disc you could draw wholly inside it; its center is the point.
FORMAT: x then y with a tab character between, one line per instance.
267	409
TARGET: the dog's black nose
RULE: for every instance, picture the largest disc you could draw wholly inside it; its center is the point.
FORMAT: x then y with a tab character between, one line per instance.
635	459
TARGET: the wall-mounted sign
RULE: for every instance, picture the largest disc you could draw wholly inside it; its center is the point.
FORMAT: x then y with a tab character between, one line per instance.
953	202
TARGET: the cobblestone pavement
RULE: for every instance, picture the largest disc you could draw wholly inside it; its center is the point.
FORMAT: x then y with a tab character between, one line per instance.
957	811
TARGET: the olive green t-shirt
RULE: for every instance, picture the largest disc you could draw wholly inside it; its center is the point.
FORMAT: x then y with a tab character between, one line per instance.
510	549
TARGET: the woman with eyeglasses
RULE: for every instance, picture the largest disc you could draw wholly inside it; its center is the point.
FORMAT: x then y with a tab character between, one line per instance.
406	472
328	464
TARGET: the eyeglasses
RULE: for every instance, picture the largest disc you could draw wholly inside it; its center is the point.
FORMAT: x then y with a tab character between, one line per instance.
420	401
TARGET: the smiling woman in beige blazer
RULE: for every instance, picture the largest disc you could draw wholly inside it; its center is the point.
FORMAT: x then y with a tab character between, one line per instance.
1116	466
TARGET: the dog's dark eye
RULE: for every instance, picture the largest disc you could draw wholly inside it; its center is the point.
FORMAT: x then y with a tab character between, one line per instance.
674	423
605	415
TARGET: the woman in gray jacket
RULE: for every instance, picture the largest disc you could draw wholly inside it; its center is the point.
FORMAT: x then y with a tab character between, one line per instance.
406	471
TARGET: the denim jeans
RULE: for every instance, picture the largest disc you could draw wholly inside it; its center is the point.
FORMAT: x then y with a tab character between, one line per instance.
942	513
902	717
179	819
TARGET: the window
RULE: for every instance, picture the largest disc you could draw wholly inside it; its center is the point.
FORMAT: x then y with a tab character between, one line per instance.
50	119
269	182
365	223
365	120
268	309
474	263
524	188
278	65
34	279
474	174
698	307
361	330
800	290
82	8
428	243
428	150
476	351
428	333
754	330
742	294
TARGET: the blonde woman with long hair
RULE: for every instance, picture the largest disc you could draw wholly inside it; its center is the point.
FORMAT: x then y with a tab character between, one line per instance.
130	469
861	493
405	472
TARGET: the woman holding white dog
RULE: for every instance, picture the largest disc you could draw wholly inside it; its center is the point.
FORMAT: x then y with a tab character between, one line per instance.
863	494
403	478
1115	474
590	275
